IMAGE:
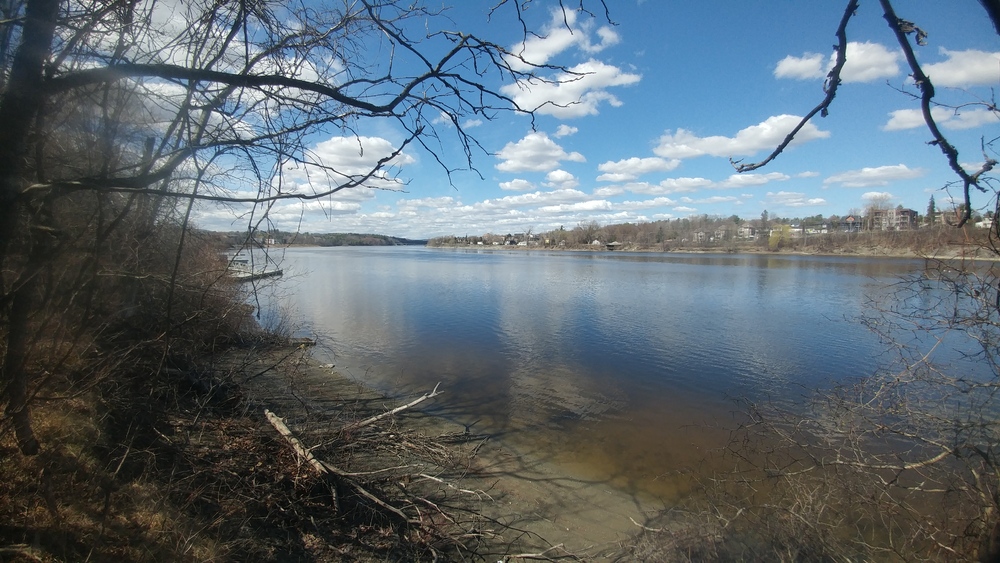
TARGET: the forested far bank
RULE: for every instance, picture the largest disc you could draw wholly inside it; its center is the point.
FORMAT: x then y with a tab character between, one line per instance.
892	232
286	238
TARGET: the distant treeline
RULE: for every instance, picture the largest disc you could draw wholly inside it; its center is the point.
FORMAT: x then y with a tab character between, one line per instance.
323	239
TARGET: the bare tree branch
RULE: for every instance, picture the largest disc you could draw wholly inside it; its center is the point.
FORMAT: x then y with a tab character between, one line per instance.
830	87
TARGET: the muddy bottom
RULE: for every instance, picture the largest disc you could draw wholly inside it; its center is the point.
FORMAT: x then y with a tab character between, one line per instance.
568	486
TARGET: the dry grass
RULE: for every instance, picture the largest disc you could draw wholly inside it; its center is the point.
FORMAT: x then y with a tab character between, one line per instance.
152	470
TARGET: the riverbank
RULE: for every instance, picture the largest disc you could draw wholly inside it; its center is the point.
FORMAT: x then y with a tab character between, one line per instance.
950	253
209	477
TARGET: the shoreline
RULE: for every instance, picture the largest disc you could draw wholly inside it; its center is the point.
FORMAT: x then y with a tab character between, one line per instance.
941	254
542	501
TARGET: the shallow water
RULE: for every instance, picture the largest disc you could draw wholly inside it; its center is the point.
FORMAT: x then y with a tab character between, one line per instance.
622	368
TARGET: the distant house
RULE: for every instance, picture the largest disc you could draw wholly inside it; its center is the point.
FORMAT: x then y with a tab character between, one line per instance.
986	223
614	245
895	219
700	236
747	232
850	224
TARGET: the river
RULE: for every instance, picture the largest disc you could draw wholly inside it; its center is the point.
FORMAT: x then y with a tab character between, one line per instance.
621	367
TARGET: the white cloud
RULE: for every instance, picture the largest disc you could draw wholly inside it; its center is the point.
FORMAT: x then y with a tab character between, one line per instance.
535	152
766	135
807	174
562	33
792	199
575	93
632	168
646	203
684	209
470	123
592	205
341	159
609	191
965	68
866	62
874	176
517	185
947	118
809	65
556	197
561	179
426	202
746	180
711	200
565	131
668	186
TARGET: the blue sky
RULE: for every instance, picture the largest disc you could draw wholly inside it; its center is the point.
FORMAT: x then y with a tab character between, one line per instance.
668	94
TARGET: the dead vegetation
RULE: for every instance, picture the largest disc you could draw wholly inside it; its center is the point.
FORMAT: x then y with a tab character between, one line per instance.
184	475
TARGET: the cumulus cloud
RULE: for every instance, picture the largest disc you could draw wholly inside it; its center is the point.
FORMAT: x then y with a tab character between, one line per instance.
426	202
632	168
560	179
866	62
564	31
570	94
668	186
965	68
874	176
565	131
536	152
339	160
711	200
608	191
947	118
575	93
646	203
592	205
517	185
747	180
792	199
766	135
808	66
556	197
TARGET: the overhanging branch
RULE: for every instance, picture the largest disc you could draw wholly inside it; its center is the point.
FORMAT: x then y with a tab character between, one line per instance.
114	73
900	29
831	85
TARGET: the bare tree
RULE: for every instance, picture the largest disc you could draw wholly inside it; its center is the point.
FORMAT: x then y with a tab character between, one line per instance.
904	463
208	102
902	31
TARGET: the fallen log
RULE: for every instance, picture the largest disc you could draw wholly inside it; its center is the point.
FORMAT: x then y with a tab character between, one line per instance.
369	421
325	469
302	451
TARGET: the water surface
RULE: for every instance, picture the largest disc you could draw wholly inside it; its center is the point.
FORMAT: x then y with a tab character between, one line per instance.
623	367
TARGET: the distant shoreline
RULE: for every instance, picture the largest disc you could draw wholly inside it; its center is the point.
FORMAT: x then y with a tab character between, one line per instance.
965	253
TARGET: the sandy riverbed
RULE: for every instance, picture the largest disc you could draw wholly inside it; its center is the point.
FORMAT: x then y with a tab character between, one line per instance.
525	490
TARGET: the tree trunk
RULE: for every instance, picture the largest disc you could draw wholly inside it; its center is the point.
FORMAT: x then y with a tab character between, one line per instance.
20	103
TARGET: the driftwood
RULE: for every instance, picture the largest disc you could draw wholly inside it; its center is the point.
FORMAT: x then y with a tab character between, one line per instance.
325	469
302	451
369	421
